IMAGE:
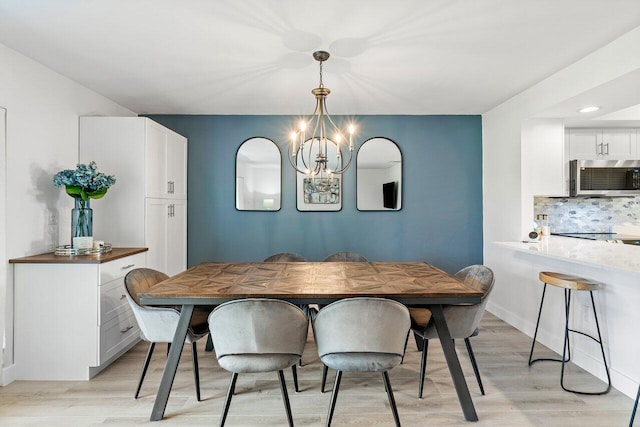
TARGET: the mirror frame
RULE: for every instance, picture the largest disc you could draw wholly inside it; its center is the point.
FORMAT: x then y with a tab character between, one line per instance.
400	193
301	206
236	175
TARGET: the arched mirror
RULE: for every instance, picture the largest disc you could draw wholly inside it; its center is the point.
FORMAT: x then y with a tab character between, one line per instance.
258	175
379	176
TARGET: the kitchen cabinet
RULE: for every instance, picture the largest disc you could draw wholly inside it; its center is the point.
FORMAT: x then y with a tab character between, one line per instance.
72	318
165	227
149	162
602	144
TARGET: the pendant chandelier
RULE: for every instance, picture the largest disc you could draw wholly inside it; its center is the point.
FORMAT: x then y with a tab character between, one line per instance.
325	150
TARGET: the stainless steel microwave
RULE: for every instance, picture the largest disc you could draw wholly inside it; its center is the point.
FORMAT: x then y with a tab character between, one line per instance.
604	177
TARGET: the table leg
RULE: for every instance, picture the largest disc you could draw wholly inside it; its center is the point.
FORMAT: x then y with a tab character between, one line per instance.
455	369
171	366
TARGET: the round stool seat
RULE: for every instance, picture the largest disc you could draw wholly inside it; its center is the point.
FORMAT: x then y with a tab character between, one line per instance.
567	281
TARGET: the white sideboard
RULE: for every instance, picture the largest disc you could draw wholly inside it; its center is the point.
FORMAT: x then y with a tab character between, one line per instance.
147	205
72	318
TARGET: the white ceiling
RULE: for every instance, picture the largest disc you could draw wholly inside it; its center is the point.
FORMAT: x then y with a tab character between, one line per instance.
254	56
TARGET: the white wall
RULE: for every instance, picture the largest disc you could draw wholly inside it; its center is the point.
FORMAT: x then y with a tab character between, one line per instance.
510	171
42	138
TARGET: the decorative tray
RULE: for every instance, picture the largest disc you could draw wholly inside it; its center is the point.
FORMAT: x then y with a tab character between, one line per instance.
67	250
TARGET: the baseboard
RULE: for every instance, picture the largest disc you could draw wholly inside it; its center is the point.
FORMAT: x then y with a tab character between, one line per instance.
7	375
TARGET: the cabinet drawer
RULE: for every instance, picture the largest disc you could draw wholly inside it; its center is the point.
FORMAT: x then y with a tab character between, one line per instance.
120	267
112	300
116	334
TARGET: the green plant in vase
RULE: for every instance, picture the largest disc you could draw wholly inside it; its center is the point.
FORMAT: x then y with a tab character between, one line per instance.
83	183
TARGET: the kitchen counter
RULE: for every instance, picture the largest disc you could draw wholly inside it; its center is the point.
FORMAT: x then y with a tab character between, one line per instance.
517	291
581	251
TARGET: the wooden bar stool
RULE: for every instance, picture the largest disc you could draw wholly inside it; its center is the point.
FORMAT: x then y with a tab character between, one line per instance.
570	283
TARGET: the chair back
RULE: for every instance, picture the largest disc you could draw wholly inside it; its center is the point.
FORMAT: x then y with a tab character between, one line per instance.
257	326
362	325
139	280
285	257
345	257
157	324
463	320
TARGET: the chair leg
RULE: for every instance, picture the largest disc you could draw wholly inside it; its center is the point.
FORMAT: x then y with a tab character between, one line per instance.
325	369
209	346
392	401
423	367
419	341
635	407
334	397
405	347
285	397
474	364
196	369
294	371
227	401
144	368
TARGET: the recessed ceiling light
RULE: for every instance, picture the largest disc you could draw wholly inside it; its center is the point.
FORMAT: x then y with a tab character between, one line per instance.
589	109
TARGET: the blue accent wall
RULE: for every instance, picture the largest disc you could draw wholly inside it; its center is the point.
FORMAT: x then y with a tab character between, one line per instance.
440	221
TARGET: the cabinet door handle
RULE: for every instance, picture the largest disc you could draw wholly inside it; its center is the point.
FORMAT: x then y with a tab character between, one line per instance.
127	329
607	145
169	187
127	266
599	149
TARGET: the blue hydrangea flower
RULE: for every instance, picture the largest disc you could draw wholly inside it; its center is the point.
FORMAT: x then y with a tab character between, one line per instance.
84	182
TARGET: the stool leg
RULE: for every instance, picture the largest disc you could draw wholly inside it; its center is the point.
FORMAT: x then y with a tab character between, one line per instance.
604	359
566	334
535	334
533	343
635	407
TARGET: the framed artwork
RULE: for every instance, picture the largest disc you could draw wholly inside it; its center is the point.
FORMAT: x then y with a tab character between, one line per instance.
314	193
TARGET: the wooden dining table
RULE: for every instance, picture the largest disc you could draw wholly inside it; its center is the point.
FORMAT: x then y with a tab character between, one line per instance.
415	284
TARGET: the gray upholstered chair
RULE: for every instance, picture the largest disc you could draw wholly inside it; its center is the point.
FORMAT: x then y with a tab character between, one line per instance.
361	334
339	257
258	335
158	324
290	257
345	257
285	257
462	320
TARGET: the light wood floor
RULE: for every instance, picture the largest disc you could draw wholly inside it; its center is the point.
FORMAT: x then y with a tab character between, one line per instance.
516	394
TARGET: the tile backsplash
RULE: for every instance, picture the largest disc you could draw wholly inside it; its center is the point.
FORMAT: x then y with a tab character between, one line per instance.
588	214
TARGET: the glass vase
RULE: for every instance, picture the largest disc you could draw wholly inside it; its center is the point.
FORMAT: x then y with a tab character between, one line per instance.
81	220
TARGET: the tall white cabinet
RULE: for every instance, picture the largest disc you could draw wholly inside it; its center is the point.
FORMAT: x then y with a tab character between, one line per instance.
148	204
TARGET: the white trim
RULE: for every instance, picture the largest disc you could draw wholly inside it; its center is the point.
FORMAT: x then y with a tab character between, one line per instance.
4	311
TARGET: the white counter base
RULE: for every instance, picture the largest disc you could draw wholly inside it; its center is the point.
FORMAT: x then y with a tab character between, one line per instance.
517	292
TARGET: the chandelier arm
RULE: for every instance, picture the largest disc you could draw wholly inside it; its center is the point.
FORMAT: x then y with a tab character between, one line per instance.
320	138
